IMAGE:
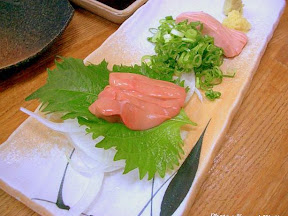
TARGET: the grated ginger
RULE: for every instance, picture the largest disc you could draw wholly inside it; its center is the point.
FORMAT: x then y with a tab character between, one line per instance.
236	21
230	5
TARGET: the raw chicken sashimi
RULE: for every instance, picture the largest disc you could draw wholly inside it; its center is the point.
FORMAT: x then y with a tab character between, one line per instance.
138	101
231	41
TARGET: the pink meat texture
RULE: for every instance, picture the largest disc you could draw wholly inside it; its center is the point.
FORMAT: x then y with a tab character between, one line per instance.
231	41
138	101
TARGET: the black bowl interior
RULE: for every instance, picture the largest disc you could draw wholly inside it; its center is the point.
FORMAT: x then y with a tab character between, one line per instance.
28	27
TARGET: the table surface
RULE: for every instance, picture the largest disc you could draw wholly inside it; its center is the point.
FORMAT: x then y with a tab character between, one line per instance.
249	175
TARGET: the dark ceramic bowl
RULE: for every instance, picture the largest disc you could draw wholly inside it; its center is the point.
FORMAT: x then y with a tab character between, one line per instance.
28	27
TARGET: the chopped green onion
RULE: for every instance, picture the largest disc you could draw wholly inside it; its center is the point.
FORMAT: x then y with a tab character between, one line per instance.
167	37
153	30
191	33
181	48
146	59
188	40
212	95
230	74
177	33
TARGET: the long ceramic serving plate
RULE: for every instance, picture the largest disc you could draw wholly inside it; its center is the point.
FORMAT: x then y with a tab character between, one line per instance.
35	162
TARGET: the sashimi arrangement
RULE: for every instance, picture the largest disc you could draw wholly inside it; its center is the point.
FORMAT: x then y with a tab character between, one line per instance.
131	103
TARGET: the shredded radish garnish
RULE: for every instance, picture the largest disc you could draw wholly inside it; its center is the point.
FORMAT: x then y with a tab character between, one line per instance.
66	127
89	167
189	79
91	192
94	159
199	94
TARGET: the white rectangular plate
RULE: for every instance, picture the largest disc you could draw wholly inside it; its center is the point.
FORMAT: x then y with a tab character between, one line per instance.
33	160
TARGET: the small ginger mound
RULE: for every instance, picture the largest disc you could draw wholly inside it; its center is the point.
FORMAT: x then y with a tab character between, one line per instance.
236	21
230	5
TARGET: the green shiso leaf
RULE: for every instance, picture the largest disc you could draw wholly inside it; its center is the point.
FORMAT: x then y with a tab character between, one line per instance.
72	87
151	151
